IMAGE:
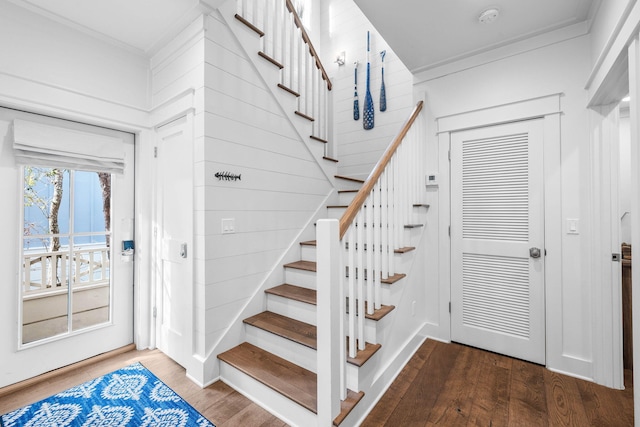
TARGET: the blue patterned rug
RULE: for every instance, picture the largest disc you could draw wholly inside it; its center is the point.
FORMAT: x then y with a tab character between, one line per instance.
131	396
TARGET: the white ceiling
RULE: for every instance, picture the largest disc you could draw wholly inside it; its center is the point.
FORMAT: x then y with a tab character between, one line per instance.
424	33
428	33
139	25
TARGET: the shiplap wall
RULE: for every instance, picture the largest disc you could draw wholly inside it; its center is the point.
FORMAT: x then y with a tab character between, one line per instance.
345	29
281	186
239	128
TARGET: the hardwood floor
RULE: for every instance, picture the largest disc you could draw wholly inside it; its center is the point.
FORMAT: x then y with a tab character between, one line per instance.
443	384
455	385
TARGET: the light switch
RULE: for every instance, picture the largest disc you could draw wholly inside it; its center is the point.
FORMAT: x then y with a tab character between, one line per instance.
228	225
573	226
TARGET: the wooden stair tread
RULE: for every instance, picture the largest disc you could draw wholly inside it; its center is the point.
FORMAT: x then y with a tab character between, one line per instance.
377	315
303	333
290	380
302	265
413	225
331	159
347	191
293	292
404	250
270	59
250	25
308	243
288	89
393	279
388	281
420	205
348	178
316	138
304	116
362	356
309	296
337	206
286	327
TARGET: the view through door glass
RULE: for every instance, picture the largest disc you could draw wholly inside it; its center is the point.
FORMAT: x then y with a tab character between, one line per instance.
66	251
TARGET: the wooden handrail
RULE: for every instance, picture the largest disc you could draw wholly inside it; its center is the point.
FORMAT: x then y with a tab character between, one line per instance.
361	196
307	40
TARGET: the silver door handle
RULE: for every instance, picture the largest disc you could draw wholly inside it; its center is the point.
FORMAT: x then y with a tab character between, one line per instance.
534	252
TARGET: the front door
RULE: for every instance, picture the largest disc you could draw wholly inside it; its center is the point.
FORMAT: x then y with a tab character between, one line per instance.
497	233
69	288
175	216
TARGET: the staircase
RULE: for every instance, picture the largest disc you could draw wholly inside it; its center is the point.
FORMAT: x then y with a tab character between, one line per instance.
278	365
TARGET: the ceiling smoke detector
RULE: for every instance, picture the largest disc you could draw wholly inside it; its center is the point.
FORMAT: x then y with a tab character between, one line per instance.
488	16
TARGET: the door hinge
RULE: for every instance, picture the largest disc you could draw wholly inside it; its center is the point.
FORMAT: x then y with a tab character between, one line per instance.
155	152
155	311
449	155
449	306
449	231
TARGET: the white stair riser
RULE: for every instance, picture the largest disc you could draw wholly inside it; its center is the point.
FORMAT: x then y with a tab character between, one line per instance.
294	352
279	405
346	198
303	278
308	253
345	184
291	308
335	213
360	378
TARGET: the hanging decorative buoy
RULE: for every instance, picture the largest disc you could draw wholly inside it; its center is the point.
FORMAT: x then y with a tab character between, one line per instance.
356	106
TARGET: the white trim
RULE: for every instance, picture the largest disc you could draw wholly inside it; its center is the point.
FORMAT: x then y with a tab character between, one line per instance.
615	51
500	52
514	111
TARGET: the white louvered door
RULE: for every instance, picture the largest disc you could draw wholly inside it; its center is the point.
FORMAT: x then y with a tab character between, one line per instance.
497	217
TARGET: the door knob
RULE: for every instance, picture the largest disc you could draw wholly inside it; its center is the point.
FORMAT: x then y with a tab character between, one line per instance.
534	252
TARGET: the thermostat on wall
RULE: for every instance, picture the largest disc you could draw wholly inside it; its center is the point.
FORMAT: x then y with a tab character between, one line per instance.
431	180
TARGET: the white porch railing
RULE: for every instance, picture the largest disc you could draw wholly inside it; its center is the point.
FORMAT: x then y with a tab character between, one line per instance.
286	41
52	271
369	232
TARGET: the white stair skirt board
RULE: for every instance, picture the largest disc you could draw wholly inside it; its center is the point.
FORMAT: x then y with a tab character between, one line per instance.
274	402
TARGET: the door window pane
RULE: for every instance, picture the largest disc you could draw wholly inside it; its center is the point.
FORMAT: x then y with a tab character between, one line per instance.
66	278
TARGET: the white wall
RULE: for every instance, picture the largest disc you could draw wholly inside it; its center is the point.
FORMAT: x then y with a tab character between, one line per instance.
50	69
345	29
560	68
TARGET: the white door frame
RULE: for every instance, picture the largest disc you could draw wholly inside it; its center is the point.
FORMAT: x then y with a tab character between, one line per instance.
548	108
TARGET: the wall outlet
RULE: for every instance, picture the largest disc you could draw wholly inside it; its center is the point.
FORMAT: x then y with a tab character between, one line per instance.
228	225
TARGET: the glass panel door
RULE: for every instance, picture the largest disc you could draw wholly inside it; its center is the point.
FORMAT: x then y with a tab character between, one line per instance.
66	275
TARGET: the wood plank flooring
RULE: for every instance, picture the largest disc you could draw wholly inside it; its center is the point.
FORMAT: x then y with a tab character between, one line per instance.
443	384
455	385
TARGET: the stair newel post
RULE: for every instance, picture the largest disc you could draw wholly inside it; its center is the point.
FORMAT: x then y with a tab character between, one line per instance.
384	221
405	160
351	291
330	305
377	243
360	248
371	248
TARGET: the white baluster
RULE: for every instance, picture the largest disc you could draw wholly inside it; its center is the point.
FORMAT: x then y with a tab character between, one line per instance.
377	243
384	223
351	292
371	248
391	231
361	273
